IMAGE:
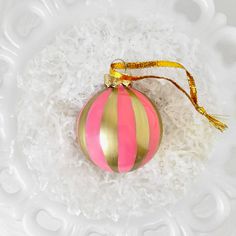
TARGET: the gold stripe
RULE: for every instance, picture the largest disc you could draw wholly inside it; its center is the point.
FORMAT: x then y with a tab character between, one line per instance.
159	117
142	129
81	135
109	131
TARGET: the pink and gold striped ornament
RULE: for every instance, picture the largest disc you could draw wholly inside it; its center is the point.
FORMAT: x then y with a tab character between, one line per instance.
119	129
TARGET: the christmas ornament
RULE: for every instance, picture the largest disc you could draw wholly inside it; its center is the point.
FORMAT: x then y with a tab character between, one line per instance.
120	129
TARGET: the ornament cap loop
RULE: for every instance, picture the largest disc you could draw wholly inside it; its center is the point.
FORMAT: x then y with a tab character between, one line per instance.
113	82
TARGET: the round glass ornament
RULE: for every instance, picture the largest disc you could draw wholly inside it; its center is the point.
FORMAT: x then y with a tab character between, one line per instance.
119	129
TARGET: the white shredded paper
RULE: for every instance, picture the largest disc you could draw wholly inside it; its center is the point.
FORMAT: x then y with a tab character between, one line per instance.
66	73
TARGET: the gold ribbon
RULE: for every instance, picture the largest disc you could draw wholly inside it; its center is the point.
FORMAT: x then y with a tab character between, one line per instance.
116	78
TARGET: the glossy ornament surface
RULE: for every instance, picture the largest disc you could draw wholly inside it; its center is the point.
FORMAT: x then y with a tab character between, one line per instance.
119	129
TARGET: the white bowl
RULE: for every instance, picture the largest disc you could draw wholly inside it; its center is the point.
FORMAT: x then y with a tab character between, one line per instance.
210	206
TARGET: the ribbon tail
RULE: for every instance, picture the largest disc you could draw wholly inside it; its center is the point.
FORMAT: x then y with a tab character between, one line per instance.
216	123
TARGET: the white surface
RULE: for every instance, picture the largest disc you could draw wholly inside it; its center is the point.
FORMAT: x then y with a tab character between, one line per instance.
208	209
228	7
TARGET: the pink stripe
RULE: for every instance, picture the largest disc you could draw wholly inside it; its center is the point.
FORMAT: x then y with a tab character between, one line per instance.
127	147
93	125
154	126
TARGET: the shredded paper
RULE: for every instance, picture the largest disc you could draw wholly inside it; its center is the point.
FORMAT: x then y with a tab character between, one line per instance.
59	80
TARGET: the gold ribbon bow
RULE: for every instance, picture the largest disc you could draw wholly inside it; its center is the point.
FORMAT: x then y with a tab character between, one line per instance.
116	78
